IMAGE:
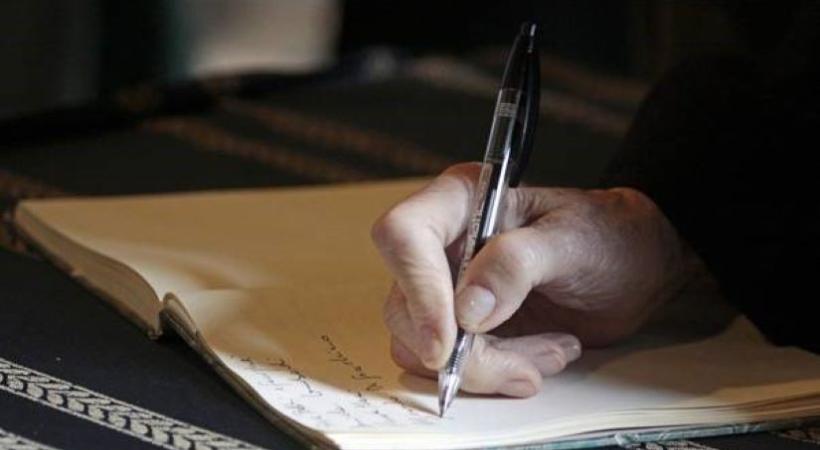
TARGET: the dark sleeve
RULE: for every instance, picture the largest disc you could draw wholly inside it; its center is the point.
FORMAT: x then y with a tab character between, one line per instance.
728	151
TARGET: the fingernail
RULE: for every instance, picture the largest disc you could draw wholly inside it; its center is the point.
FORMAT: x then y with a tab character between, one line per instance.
571	347
518	388
474	305
431	346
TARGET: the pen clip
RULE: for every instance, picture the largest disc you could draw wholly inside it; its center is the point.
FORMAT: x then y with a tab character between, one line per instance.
524	132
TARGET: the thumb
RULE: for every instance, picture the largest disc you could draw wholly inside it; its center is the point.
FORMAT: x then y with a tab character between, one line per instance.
503	272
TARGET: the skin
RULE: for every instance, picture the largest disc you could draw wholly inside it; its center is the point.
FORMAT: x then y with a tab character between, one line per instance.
569	269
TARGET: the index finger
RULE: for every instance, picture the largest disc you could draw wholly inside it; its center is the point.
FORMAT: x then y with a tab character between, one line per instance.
411	238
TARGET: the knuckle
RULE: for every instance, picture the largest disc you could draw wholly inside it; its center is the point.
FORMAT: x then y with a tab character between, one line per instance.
514	200
427	315
524	204
519	207
469	169
400	355
549	349
512	255
389	231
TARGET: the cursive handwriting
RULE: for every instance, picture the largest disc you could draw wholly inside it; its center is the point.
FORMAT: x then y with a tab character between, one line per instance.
364	404
298	376
336	355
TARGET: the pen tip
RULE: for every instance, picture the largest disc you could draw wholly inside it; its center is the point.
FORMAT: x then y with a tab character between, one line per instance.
443	405
448	386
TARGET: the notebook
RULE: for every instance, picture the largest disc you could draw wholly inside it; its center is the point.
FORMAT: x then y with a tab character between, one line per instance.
280	290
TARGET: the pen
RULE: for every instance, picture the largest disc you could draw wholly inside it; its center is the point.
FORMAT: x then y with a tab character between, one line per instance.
506	155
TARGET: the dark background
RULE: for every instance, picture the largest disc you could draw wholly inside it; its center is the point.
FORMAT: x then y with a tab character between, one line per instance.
61	52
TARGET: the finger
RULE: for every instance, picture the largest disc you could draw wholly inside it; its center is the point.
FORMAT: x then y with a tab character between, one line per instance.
524	204
406	359
549	352
511	367
501	275
491	370
398	321
411	238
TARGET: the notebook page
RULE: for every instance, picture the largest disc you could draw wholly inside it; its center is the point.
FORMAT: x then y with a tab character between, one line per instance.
319	354
229	239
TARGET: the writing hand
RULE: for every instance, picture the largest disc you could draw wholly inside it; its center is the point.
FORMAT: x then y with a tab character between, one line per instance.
569	266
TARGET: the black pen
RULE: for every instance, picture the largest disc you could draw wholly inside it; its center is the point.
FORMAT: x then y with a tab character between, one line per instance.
506	155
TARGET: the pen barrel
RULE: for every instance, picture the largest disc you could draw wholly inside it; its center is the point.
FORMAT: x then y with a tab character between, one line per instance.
499	143
499	168
488	204
461	350
494	177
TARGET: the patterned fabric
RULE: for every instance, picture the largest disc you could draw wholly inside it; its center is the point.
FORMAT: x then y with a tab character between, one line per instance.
669	445
10	441
809	435
124	417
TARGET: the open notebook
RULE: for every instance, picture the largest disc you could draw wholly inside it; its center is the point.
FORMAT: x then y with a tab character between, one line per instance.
281	290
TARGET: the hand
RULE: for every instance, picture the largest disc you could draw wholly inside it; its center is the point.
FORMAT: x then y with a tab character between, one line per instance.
568	267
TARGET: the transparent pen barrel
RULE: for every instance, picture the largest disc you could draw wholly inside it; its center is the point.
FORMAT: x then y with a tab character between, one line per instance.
501	131
488	204
494	177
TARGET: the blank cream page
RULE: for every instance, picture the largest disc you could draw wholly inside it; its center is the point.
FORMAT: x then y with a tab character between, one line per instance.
230	239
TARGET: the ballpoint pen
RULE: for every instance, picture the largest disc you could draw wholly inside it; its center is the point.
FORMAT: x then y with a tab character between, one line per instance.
506	155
